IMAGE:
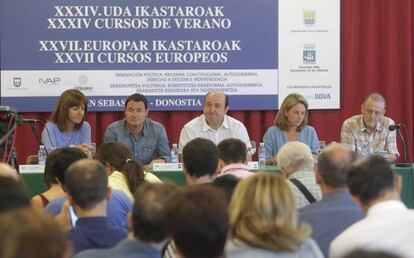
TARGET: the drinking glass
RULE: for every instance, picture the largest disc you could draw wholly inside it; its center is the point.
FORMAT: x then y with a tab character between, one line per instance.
252	149
92	149
322	145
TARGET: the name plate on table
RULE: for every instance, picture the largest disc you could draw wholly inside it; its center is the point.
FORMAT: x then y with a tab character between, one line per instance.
31	169
253	165
167	167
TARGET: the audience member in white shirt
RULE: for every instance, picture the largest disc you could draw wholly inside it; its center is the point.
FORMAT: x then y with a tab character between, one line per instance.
388	224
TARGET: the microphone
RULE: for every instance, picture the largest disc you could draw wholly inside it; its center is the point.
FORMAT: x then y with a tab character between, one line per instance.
403	137
395	127
8	110
22	120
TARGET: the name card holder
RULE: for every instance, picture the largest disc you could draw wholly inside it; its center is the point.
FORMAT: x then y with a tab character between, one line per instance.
31	169
167	167
253	165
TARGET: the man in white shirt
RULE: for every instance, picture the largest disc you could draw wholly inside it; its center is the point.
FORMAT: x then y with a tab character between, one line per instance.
388	225
214	124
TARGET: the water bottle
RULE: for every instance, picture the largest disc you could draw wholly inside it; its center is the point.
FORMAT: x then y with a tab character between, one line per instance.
41	155
174	153
262	156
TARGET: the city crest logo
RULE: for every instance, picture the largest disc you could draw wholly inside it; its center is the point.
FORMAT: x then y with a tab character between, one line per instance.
309	17
17	81
309	53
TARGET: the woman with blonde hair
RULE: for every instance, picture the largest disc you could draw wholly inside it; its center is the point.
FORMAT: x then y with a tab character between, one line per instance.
263	221
125	174
67	126
290	125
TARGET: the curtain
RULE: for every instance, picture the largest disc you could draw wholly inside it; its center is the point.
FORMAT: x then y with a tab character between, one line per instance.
377	43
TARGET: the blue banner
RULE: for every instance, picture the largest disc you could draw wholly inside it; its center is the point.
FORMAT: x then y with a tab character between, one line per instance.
172	51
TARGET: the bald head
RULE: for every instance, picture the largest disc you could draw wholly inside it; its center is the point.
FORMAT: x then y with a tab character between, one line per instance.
218	94
373	110
7	171
87	183
334	164
375	97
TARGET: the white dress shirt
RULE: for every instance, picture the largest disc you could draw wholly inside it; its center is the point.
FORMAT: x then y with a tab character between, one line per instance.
230	128
388	226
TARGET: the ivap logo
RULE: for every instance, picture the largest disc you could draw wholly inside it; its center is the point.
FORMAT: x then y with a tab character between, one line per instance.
49	80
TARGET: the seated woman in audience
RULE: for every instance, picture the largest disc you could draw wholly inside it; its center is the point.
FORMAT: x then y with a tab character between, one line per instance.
125	174
54	190
263	221
67	125
290	125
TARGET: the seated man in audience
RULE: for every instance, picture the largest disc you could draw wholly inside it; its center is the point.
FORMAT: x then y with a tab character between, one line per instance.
368	133
227	183
143	136
233	158
296	162
388	224
86	184
118	206
148	223
200	161
336	211
198	221
214	124
200	165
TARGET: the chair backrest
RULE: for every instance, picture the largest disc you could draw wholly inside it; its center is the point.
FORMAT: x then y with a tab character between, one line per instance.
32	160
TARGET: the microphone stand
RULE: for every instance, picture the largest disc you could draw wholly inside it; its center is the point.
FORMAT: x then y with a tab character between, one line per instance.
32	123
33	127
406	162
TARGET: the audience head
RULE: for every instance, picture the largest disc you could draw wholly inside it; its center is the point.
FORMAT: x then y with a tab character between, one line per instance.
86	183
227	183
373	110
370	179
69	104
136	110
198	221
28	233
200	158
216	105
232	151
13	194
292	113
370	254
8	171
334	164
294	156
49	177
62	158
117	157
149	220
263	213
